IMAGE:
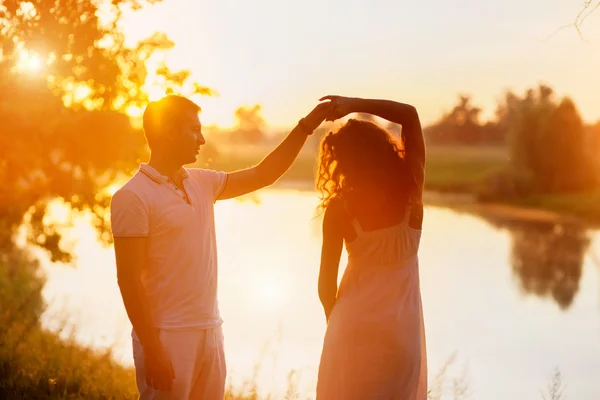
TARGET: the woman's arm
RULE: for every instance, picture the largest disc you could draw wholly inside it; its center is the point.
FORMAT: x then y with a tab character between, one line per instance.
399	113
331	253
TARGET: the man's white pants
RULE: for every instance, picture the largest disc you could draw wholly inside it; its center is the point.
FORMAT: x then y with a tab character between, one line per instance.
198	363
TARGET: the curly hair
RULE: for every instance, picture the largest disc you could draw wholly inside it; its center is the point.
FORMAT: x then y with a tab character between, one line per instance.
361	154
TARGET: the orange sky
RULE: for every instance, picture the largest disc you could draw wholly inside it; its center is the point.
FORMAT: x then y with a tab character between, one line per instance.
284	56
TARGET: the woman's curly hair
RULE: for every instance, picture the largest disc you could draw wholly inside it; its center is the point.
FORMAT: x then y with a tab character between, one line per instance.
361	154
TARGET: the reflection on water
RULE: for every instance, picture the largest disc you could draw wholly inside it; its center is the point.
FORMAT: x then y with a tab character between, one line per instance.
547	257
477	280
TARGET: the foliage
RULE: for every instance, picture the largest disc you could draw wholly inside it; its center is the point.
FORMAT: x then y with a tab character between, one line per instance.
250	125
462	126
66	81
36	364
547	147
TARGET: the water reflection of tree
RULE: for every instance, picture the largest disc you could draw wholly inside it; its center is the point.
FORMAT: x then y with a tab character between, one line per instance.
547	257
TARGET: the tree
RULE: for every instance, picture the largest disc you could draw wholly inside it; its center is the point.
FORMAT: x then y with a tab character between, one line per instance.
589	6
547	141
462	126
67	80
250	124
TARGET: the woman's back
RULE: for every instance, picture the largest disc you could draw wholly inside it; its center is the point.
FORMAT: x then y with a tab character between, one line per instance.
381	279
377	322
387	237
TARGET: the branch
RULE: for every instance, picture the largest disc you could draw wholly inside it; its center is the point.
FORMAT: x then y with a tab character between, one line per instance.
589	6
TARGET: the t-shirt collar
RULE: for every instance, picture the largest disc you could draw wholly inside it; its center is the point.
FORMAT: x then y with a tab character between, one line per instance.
156	176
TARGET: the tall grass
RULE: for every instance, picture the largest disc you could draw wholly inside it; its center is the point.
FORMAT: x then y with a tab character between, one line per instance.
36	364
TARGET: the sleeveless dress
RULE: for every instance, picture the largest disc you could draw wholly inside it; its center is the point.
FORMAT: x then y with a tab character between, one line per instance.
374	345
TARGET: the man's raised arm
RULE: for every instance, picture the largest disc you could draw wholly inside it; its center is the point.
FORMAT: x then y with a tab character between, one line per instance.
276	163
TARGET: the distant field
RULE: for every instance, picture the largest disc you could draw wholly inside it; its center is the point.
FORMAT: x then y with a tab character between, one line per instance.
459	170
462	168
449	168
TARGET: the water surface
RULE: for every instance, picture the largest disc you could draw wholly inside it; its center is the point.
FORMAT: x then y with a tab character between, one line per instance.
511	300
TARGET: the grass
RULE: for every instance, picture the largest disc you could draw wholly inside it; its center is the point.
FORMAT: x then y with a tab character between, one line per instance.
449	168
302	169
461	169
37	364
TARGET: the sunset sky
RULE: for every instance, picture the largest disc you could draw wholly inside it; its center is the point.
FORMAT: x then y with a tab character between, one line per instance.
284	55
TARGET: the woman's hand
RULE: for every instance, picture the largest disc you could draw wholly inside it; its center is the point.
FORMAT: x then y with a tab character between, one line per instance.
341	106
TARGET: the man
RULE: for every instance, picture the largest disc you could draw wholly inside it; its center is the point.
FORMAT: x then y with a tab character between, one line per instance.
165	246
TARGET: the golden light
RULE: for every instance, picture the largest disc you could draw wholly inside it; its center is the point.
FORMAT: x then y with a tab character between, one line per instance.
57	212
134	111
214	111
29	61
269	292
112	188
155	91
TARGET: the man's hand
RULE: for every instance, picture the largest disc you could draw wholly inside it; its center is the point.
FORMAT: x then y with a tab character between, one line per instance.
321	112
340	106
276	163
159	370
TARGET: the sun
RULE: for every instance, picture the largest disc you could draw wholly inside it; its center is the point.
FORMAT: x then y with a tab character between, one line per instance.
269	292
29	61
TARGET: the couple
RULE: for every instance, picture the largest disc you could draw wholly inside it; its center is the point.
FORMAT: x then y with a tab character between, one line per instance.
165	245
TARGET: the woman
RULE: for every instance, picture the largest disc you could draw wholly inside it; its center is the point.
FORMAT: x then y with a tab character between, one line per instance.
371	187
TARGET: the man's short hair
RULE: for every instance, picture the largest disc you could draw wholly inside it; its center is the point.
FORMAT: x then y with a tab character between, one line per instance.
168	111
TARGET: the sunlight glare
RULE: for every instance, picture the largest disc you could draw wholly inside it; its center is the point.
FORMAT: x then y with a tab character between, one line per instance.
134	111
155	91
57	212
81	92
269	292
29	61
112	189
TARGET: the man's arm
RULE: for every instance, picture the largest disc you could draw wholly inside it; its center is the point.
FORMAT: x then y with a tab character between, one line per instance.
271	168
274	165
130	254
331	253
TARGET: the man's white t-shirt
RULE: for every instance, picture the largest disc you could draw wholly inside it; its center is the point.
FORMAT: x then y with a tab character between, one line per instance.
180	277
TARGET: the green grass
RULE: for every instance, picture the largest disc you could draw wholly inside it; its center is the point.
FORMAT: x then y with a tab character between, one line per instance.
461	169
302	168
448	169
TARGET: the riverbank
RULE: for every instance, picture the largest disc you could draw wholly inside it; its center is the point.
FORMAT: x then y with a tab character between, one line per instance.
467	203
37	364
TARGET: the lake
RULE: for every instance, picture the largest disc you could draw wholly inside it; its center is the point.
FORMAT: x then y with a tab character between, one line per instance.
505	301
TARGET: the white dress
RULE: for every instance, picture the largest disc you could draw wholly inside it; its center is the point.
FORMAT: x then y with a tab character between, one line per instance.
375	341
